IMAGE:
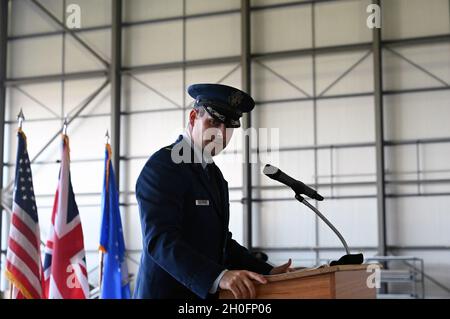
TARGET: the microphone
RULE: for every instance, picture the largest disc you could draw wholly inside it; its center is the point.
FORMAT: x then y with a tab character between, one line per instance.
297	186
300	188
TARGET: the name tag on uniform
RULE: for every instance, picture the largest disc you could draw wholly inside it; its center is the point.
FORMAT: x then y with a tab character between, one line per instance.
202	202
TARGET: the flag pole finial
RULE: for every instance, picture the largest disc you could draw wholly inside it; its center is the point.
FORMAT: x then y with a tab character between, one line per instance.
20	118
107	136
65	123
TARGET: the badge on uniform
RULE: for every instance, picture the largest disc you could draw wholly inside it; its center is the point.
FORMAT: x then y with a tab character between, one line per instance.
202	202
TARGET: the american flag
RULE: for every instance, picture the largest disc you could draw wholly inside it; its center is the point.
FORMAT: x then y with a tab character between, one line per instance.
65	271
23	257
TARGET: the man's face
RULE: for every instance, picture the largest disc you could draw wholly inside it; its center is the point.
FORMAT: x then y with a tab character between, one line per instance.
208	133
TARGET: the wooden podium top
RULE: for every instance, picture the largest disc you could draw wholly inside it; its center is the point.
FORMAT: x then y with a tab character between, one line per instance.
314	271
341	281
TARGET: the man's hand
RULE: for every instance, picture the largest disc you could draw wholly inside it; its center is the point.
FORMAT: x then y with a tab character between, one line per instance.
239	282
282	269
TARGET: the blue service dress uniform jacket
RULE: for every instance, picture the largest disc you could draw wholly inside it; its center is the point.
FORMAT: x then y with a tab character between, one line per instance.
186	241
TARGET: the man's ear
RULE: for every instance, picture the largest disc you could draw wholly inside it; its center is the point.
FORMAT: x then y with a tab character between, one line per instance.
192	117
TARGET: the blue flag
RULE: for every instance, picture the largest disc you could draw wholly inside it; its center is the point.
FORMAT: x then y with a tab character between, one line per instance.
115	282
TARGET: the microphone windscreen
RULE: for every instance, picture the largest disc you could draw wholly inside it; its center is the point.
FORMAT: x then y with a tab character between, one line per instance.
270	170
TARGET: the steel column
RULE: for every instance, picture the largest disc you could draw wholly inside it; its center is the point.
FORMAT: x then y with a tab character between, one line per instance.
247	122
315	131
379	138
3	62
116	87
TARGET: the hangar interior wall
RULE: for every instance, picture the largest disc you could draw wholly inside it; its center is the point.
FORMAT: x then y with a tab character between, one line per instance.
321	100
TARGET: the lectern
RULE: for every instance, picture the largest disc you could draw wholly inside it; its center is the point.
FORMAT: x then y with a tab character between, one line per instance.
330	282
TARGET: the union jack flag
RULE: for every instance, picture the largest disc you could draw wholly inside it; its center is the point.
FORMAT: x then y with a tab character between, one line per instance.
23	257
65	271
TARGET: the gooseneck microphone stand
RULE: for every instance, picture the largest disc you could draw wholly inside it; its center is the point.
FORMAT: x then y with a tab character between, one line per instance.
302	200
348	259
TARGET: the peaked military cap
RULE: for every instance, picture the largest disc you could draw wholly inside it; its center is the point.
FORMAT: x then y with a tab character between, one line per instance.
224	103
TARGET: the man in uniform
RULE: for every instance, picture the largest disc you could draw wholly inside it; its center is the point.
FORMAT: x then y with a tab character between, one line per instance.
188	251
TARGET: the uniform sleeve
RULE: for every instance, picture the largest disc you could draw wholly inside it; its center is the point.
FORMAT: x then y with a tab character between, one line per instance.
216	283
239	257
160	196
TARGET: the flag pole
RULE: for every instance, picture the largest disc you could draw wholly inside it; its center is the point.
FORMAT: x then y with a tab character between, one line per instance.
100	267
64	128
101	254
20	119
